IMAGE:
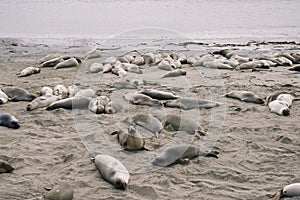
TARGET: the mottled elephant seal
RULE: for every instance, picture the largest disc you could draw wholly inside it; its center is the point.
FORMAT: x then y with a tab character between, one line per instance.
8	120
5	167
190	103
42	101
291	190
18	94
29	71
159	95
63	191
70	103
113	171
180	154
141	99
3	97
246	96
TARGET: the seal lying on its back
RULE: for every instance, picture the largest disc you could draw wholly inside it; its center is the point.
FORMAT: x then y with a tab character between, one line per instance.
292	190
180	154
189	103
113	171
8	120
18	94
63	191
5	167
245	96
159	95
70	103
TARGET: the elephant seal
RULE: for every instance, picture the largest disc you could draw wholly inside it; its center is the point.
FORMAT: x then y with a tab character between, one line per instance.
93	54
295	68
46	91
148	58
52	62
70	103
286	98
291	190
159	95
60	90
131	68
274	96
141	99
96	67
131	140
29	71
48	57
175	73
138	60
72	90
42	101
113	171
279	107
3	97
246	96
63	191
190	103
71	62
97	105
216	65
149	122
181	154
86	93
18	94
8	120
119	71
5	167
112	107
182	124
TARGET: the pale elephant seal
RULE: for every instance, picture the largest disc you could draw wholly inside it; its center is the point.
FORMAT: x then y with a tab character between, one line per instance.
113	171
286	98
165	65
93	54
71	62
112	107
107	68
63	191
72	90
5	167
18	94
182	124
131	140
61	90
119	71
8	120
29	71
3	97
141	99
274	96
216	65
190	103
246	96
97	105
48	57
46	91
52	62
96	67
131	68
149	122
42	101
70	103
295	68
180	154
138	60
148	58
291	190
279	107
175	73
159	95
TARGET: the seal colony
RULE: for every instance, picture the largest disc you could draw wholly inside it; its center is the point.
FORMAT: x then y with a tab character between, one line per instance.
142	95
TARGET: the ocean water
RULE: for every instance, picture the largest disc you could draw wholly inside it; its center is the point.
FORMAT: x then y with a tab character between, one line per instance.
196	19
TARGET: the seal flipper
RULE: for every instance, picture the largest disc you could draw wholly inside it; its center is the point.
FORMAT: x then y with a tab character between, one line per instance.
181	161
213	154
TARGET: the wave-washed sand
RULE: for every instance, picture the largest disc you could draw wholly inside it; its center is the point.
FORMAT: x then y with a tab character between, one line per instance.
259	150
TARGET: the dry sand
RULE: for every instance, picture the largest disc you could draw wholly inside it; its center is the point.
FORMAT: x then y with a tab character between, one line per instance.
259	150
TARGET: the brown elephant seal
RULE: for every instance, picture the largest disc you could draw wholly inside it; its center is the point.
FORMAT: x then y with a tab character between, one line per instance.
97	105
5	167
182	124
175	73
295	68
29	71
71	62
181	154
70	103
141	99
113	171
9	120
42	101
18	94
190	103
158	94
61	90
63	191
131	140
246	96
291	190
3	97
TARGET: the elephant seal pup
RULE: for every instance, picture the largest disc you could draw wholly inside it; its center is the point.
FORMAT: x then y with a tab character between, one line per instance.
46	91
174	73
274	96
97	105
52	62
71	62
5	167
295	68
86	93
119	71
113	171
112	107
8	120
246	96
62	191
3	97
286	98
159	95
182	124
279	107
291	190
60	90
131	140
70	103
96	67
149	122
180	154
29	71
72	90
18	94
190	103
42	101
141	99
93	54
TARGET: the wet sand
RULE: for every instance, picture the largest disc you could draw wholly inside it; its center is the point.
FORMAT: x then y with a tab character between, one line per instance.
259	150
